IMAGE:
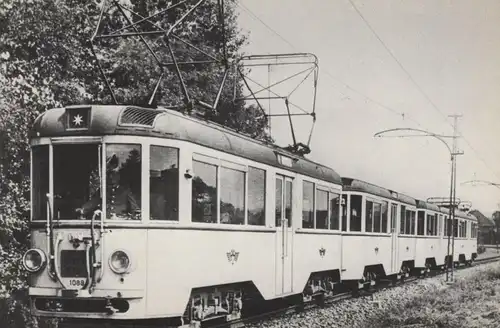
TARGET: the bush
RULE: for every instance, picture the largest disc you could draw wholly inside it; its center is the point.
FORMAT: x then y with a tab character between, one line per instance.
15	312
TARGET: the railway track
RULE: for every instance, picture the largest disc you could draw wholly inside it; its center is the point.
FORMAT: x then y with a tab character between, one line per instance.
337	298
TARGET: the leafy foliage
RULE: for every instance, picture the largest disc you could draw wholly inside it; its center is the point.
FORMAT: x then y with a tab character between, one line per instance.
46	62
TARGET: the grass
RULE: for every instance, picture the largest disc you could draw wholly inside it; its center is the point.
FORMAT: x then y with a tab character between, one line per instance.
473	301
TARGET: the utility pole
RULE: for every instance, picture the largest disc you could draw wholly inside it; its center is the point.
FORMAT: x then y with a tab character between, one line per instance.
453	195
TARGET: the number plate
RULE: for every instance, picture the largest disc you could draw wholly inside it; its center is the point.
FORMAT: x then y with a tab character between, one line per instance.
77	282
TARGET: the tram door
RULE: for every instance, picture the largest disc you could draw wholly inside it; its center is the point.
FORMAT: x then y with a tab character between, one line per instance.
394	238
284	233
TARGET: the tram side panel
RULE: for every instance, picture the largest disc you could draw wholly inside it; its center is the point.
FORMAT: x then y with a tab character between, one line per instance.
427	247
360	251
406	251
315	252
180	260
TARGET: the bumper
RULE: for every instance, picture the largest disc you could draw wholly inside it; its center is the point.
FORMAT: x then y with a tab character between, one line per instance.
97	293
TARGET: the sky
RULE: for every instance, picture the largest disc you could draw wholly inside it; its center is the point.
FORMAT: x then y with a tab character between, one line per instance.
445	60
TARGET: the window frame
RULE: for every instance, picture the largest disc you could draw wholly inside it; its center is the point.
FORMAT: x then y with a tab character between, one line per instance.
315	216
374	202
339	212
284	180
317	187
178	150
394	217
421	222
409	220
144	149
360	215
219	164
247	184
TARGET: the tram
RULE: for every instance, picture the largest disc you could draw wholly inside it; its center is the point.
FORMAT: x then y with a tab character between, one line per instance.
151	216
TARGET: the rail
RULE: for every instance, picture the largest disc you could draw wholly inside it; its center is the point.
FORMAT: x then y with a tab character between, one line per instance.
333	299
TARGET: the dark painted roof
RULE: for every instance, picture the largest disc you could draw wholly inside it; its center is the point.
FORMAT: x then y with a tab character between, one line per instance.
459	214
465	215
164	123
427	206
351	184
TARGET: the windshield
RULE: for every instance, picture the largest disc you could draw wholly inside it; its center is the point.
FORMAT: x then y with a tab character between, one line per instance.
76	179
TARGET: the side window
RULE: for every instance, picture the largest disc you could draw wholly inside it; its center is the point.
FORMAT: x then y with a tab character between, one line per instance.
283	200
377	213
335	203
279	201
369	216
204	192
308	205
256	196
164	183
394	217
356	215
123	181
321	209
232	196
385	209
420	223
455	228
434	224
413	219
402	219
288	201
344	213
439	219
408	223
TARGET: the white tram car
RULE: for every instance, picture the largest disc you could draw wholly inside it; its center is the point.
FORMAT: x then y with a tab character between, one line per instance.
147	214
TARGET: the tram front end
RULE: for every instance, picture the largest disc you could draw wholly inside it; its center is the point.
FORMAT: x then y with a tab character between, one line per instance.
87	243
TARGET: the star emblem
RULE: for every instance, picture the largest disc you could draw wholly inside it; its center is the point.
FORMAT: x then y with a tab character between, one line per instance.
77	119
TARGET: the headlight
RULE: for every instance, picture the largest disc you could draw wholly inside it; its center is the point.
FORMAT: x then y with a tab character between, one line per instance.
34	260
119	262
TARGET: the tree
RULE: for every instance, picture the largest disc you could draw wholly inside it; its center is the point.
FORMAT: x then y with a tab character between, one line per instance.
45	62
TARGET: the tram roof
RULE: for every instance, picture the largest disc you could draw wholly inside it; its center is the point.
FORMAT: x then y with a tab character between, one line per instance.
101	120
350	184
427	206
458	213
465	215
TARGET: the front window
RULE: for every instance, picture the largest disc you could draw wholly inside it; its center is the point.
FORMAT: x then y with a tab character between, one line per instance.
76	181
40	181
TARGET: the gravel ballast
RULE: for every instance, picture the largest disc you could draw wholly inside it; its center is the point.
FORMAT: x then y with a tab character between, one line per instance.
369	311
